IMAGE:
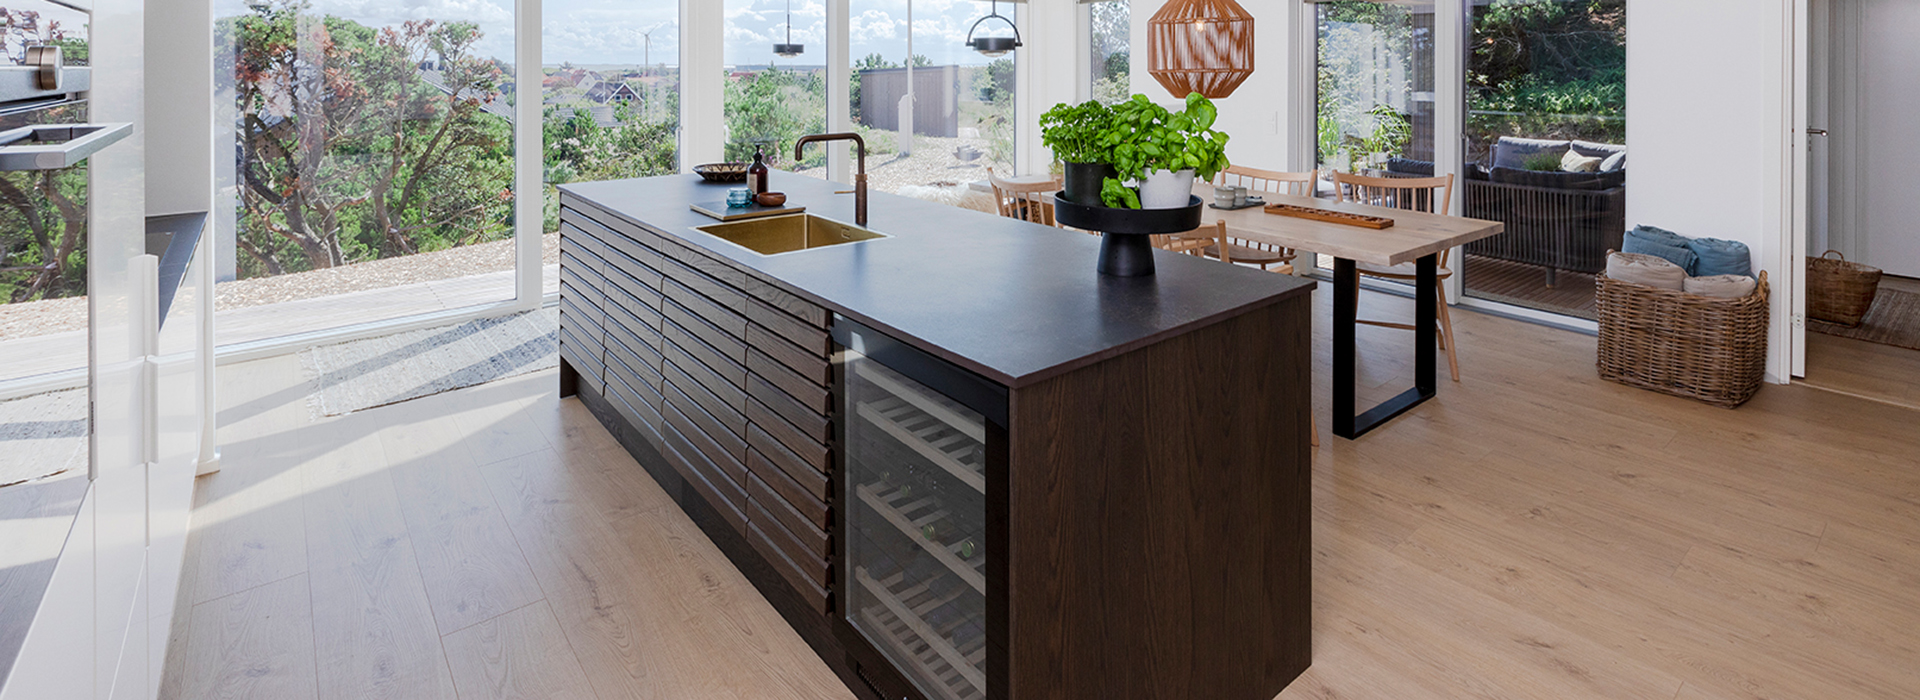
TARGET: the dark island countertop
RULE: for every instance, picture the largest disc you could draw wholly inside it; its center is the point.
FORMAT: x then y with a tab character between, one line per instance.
1013	301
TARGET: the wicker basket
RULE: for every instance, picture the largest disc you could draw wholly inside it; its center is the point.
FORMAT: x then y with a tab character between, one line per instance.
1705	348
1839	291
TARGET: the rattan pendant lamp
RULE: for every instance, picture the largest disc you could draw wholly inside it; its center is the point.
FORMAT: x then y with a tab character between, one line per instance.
1203	46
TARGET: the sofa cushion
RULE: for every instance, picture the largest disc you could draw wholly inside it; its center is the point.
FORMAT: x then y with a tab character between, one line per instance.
1614	163
1512	152
1650	270
1720	257
1659	242
1593	149
1573	162
1722	286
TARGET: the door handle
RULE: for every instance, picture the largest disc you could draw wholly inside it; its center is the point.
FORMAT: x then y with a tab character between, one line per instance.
1816	132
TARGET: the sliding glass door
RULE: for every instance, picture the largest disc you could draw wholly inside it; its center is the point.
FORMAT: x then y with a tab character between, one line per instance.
1545	148
1541	122
1374	80
1375	108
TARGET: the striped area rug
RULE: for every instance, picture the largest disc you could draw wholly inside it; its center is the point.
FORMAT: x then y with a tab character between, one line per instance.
363	374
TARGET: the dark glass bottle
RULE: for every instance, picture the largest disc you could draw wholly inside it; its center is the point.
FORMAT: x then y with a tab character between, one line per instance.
757	173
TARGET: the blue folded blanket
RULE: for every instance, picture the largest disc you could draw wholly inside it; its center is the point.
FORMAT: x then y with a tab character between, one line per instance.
1650	240
1720	257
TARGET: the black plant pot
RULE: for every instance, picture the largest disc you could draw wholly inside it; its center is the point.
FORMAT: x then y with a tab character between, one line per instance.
1125	248
1083	181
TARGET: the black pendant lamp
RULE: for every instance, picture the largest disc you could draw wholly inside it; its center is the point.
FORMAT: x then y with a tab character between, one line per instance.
789	49
994	46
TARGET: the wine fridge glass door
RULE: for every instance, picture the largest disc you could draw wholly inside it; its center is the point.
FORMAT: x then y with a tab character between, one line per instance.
914	564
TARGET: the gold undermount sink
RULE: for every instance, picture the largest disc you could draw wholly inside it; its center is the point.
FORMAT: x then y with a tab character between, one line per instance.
774	235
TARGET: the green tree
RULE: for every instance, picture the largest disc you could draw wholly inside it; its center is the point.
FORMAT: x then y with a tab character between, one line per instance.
1548	69
578	148
359	143
774	108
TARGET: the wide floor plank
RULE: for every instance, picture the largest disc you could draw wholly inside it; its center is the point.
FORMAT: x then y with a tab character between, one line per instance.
521	655
472	566
255	644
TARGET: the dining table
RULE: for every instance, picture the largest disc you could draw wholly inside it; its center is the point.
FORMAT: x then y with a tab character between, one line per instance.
1414	237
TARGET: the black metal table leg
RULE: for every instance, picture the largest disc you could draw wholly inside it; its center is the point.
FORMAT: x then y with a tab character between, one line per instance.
1346	309
1426	322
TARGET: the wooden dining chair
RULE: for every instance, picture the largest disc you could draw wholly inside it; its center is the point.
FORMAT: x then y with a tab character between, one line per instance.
1196	242
1024	201
1267	256
1427	194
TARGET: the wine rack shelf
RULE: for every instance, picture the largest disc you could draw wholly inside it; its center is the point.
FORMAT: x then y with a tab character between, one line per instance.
940	407
901	619
909	515
950	449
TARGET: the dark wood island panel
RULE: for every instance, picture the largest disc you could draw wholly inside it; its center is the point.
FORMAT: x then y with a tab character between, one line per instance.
1179	503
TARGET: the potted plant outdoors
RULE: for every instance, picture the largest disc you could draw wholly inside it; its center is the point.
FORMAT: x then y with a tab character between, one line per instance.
1163	151
1073	133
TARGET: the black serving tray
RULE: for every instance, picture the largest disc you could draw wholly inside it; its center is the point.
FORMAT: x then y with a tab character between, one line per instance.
1127	221
1125	248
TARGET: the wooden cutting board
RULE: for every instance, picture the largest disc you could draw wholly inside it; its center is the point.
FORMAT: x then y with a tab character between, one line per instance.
1330	216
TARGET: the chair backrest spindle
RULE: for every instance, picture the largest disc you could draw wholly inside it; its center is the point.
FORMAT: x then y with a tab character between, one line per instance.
1025	201
1413	193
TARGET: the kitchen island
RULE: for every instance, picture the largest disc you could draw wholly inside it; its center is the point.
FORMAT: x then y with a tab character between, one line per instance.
957	460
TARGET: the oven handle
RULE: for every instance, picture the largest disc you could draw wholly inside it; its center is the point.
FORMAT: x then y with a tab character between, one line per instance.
56	146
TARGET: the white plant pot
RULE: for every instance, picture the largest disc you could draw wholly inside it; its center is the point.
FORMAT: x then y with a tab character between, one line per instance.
1166	190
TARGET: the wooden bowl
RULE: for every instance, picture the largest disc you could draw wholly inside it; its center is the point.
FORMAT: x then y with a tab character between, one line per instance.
771	199
723	172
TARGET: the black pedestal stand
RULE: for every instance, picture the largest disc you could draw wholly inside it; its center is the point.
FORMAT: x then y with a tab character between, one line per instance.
1126	249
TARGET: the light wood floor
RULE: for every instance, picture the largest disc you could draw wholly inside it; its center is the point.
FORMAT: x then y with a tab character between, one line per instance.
1533	533
1869	370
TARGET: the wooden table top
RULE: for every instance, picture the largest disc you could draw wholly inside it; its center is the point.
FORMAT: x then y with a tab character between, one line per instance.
1413	234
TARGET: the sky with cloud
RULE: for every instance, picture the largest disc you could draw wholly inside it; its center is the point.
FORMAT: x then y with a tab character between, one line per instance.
597	32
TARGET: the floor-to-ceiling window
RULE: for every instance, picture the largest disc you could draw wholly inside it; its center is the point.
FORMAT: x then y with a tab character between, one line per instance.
371	174
934	112
776	77
611	92
1545	148
1109	49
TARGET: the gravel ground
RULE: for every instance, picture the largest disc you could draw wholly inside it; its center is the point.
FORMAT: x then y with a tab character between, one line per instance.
59	315
933	162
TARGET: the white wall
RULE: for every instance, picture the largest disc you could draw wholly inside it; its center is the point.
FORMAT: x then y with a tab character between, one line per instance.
1705	126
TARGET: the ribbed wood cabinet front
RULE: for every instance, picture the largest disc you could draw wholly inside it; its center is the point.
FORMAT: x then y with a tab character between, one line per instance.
726	374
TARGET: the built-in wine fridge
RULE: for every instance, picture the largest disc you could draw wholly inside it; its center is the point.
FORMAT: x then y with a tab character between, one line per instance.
921	512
